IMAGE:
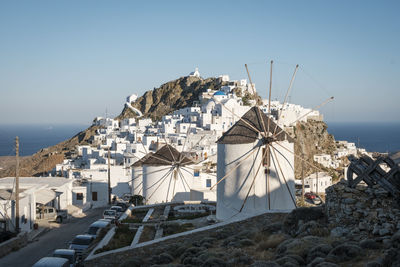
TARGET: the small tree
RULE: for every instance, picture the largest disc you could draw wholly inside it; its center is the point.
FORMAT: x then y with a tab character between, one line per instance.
137	200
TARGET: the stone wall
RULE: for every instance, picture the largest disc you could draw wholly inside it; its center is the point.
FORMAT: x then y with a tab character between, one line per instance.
13	244
362	211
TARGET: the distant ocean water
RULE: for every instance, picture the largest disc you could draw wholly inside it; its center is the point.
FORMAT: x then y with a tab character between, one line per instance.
373	136
34	137
376	137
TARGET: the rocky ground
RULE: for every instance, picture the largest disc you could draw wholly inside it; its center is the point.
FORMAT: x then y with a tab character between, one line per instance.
305	237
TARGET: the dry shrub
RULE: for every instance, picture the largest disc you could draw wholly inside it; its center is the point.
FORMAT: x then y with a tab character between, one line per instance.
271	242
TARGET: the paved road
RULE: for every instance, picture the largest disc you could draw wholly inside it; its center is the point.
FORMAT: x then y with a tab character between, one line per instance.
48	242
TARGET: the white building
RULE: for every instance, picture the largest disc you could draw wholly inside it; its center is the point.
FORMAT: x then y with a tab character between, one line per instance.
34	192
318	182
195	73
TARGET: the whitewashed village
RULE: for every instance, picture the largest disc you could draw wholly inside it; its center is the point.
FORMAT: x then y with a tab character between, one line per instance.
230	159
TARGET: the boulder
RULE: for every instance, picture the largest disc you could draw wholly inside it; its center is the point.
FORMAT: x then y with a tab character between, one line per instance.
343	253
369	244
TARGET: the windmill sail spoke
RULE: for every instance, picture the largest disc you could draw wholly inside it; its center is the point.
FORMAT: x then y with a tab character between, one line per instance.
234	168
252	183
145	149
169	185
166	174
285	99
170	151
155	190
254	94
153	156
173	191
268	176
283	176
201	161
191	148
240	118
183	178
141	174
317	107
269	99
304	160
184	144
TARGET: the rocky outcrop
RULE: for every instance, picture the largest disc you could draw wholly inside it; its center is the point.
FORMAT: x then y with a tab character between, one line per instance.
170	96
372	210
311	138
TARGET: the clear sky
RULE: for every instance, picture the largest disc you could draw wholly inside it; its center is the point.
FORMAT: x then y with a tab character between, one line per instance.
69	61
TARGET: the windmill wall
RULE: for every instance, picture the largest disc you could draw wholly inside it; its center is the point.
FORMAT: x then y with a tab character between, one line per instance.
232	191
137	181
158	185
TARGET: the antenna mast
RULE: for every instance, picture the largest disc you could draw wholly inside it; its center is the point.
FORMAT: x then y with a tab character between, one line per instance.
17	184
109	177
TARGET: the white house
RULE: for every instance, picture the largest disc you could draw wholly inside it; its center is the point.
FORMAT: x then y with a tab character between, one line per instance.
34	191
318	182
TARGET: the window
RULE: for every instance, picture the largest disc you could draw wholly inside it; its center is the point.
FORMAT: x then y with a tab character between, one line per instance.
196	173
94	196
79	196
51	210
208	182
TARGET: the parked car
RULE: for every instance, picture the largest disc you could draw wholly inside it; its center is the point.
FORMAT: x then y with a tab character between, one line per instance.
123	205
68	254
126	197
52	262
313	198
80	244
97	226
118	209
110	214
51	214
310	195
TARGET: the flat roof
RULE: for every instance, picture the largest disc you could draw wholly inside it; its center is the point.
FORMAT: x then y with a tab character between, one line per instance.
35	181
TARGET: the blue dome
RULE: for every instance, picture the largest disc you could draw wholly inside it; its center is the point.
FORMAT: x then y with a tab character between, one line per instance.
219	93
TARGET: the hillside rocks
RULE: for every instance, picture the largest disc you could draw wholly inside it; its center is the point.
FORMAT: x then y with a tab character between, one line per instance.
170	96
362	211
311	138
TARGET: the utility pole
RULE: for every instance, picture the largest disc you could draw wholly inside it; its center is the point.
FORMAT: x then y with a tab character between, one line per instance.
302	180
109	175
17	184
317	183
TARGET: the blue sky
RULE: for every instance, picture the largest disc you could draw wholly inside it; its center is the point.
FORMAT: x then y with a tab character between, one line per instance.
69	61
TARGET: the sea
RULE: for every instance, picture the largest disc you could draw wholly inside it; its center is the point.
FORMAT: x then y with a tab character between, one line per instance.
373	136
381	137
32	138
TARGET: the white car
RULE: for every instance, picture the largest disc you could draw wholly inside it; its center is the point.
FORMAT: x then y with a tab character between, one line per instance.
110	214
81	243
118	209
97	226
68	254
52	261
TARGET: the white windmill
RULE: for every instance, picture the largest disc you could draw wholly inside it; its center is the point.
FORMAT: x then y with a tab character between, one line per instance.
255	168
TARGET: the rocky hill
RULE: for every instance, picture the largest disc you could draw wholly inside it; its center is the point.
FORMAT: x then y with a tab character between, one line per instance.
170	96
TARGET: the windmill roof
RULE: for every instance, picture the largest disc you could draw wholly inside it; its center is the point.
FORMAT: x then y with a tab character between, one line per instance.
242	133
140	161
164	155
